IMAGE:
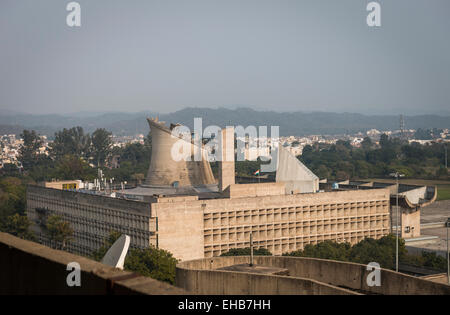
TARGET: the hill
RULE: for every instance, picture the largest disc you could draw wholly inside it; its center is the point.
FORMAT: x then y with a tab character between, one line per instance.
291	123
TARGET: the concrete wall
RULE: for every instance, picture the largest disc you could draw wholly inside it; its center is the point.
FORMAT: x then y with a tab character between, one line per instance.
206	281
337	274
180	228
254	190
299	186
30	268
414	195
410	220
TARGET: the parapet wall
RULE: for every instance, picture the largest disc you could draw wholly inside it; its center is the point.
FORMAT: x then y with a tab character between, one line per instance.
91	199
254	190
199	278
30	268
307	276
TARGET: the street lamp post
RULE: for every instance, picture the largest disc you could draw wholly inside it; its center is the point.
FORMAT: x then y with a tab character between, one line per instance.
447	224
396	229
445	148
396	175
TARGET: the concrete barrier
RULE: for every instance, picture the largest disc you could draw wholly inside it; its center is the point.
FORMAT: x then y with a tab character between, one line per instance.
200	277
310	275
30	268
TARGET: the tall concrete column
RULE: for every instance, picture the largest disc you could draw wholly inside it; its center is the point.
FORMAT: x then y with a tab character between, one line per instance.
226	164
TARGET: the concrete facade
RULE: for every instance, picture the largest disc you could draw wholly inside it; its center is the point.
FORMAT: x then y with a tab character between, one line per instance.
192	228
92	217
280	223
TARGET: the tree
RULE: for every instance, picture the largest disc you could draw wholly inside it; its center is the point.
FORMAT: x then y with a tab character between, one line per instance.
152	262
368	250
72	167
384	141
101	146
9	169
29	152
442	172
107	243
367	143
12	197
422	134
18	225
70	141
246	252
325	250
59	232
381	251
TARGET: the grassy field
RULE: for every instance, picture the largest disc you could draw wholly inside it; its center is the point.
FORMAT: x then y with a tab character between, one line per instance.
443	186
443	192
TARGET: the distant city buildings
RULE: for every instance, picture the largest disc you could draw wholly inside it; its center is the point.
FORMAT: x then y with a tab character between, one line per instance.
11	144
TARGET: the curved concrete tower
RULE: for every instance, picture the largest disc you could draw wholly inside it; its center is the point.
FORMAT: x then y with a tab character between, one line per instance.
165	171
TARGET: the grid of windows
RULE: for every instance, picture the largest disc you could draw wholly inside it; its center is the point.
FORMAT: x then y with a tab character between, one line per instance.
286	229
91	222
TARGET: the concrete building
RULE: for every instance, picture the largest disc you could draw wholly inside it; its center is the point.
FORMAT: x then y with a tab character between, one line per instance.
91	216
181	208
411	200
64	184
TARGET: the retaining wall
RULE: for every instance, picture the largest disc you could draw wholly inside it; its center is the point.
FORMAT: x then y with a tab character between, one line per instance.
314	276
30	268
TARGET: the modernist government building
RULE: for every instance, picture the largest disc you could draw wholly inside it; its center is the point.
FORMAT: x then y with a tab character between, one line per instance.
182	208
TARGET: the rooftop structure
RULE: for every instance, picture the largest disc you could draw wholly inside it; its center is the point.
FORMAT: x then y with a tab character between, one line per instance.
164	170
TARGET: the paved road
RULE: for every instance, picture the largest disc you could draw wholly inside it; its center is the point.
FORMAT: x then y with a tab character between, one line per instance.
438	211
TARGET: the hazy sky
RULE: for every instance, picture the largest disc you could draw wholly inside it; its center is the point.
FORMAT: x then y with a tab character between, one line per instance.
164	55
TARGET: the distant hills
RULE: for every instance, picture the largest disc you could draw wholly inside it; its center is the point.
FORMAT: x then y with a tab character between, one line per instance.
291	123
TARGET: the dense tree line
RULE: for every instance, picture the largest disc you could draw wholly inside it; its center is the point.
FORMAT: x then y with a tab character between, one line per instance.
75	154
369	250
72	155
341	161
246	252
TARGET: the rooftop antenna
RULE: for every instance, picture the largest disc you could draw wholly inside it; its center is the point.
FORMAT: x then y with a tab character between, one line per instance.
402	127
